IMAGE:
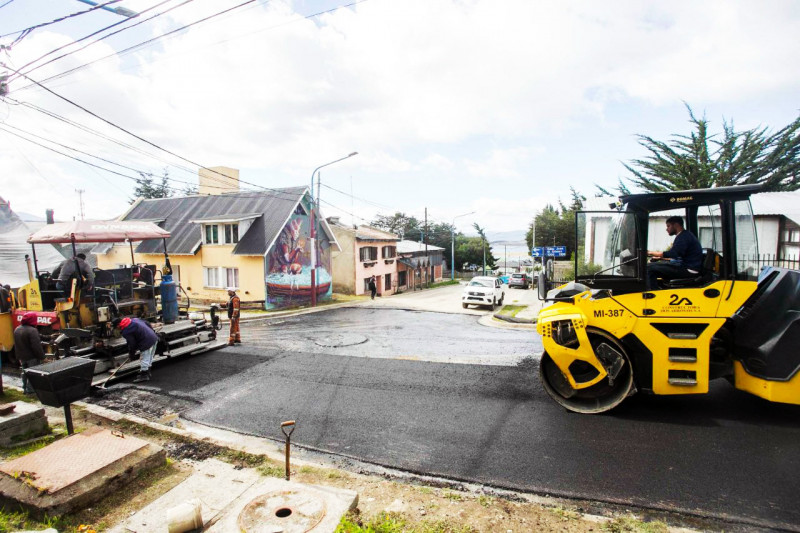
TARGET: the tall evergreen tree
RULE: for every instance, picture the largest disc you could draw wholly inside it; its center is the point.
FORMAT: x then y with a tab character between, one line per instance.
701	160
146	186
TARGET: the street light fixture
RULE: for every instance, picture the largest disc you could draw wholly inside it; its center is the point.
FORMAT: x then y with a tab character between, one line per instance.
313	225
453	245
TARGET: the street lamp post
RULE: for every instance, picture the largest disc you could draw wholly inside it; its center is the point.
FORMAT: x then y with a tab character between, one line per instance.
313	229
453	245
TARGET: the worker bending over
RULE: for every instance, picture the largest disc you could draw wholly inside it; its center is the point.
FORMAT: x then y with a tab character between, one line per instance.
140	336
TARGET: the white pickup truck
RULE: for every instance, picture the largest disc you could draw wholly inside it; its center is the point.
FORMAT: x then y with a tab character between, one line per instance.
483	290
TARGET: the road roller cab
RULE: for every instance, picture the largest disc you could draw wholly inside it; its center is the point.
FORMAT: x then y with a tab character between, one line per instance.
606	336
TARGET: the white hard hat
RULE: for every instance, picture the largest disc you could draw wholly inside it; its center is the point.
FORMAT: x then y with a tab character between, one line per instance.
232	289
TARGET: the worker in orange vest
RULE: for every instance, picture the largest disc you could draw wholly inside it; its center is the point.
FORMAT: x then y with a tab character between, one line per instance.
233	315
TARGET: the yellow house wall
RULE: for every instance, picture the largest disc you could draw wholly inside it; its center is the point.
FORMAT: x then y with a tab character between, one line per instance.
251	269
343	263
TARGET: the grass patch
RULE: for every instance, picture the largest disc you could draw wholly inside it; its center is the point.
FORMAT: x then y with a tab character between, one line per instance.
396	523
631	524
444	283
566	514
20	520
453	496
10	395
511	310
485	501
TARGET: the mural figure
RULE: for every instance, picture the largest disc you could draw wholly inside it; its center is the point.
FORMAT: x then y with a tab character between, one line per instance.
289	278
288	254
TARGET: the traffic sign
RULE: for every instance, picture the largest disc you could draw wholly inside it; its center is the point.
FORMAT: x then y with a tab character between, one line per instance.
537	252
555	251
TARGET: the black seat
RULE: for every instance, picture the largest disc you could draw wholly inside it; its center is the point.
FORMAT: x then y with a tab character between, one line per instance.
705	276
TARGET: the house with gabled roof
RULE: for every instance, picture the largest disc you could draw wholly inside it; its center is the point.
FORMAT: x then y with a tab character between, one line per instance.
256	241
365	252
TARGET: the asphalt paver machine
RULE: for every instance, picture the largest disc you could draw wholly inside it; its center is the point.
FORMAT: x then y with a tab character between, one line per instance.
606	336
78	321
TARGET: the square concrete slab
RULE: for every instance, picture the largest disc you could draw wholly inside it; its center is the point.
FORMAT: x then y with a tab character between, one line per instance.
76	471
224	494
26	420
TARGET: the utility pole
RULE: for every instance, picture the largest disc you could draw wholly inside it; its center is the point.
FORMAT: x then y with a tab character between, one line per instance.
427	260
80	196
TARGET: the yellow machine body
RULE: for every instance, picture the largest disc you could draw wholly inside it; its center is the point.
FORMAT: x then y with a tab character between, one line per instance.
639	315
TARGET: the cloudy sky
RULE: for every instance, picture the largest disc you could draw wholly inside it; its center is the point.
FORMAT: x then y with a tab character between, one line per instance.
492	106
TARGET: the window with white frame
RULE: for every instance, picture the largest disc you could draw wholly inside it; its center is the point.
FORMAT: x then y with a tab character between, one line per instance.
220	277
211	234
231	233
211	277
221	233
231	277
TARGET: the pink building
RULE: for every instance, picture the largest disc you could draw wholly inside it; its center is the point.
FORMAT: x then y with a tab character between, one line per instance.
365	252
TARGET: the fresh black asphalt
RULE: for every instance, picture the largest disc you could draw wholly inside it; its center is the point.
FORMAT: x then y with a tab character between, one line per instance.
724	454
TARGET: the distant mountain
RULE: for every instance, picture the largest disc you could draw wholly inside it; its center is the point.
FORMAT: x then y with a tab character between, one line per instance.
506	237
27	217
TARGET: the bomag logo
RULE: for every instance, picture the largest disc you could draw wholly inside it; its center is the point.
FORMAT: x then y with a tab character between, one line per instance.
681	199
676	300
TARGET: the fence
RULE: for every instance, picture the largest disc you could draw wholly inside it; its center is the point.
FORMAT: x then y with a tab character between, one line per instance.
767	260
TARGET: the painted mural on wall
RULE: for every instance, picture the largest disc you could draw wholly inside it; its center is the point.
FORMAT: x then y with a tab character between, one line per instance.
289	277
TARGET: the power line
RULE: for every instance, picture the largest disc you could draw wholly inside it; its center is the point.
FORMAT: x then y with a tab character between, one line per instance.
25	32
22	68
369	202
138	171
101	135
4	5
64	98
143	43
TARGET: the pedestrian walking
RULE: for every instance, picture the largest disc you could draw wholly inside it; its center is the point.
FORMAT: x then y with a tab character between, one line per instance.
140	336
234	304
28	346
373	288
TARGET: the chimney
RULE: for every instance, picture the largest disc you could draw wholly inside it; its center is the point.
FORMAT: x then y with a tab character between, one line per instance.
49	216
218	180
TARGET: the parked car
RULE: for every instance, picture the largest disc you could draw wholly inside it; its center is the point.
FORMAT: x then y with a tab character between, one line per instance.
483	290
503	279
520	280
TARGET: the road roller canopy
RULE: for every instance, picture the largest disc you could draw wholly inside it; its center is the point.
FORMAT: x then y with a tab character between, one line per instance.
611	246
98	231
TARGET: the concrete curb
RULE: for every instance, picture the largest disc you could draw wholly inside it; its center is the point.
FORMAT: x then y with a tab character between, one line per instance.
514	319
292	312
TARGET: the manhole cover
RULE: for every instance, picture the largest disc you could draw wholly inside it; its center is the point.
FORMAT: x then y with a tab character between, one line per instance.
340	340
286	512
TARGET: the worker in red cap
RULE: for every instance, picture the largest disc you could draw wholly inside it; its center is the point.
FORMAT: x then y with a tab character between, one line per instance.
140	336
28	346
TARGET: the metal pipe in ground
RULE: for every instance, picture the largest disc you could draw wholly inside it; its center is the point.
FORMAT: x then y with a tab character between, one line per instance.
288	428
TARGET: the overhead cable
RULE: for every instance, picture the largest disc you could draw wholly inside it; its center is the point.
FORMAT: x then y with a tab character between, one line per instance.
141	44
24	32
22	68
150	41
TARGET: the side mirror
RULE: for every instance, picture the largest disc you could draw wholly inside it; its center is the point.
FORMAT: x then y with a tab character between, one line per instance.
541	285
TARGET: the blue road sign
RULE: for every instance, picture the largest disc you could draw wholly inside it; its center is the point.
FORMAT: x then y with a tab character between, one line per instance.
555	251
537	252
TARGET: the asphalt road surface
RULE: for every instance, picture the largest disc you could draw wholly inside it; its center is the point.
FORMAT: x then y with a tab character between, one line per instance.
379	385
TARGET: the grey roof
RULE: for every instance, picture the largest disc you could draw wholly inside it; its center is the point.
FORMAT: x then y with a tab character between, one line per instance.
14	247
272	209
408	247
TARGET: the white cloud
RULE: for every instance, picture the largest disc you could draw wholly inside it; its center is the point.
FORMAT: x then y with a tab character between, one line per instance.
422	89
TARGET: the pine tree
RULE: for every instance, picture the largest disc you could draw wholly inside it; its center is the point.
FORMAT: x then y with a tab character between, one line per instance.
701	160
